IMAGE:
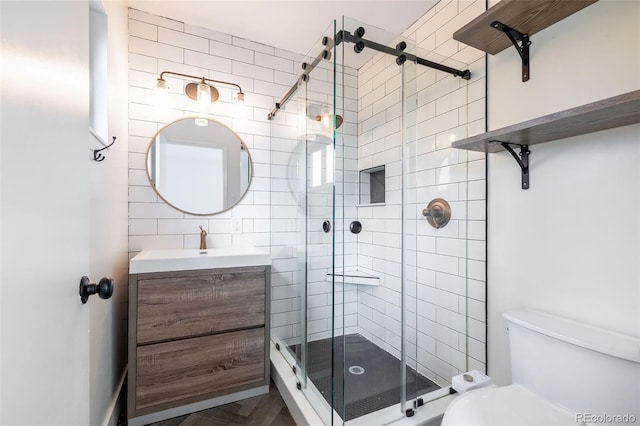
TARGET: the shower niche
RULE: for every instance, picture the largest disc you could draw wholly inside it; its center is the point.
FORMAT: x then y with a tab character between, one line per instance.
359	316
371	188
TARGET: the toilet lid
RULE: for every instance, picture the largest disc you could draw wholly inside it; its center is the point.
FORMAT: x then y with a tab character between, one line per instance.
511	405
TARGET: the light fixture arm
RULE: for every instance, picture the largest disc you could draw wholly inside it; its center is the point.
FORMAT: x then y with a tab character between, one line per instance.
201	79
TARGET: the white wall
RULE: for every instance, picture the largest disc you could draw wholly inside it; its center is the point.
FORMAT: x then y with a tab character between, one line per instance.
53	233
43	132
108	233
45	221
569	245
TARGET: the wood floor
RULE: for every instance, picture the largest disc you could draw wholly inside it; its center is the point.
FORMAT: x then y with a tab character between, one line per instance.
264	410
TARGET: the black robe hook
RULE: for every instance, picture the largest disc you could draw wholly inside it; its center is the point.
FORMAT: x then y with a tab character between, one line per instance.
96	152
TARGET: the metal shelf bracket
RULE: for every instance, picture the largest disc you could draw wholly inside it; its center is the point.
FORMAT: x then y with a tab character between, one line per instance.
522	159
523	48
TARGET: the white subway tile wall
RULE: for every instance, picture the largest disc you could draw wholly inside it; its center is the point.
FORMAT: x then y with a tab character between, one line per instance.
159	44
270	209
276	210
445	276
302	181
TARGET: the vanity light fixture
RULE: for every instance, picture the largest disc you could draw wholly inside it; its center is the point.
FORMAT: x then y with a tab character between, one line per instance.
202	92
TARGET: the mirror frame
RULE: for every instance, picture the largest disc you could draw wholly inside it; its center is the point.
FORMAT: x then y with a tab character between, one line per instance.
152	184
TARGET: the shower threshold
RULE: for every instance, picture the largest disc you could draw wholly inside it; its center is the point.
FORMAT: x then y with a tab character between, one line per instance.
371	379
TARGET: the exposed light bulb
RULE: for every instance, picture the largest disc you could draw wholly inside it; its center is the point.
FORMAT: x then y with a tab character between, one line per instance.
162	91
161	84
325	117
204	97
241	109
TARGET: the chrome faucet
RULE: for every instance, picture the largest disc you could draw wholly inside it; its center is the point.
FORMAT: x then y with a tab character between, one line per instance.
203	238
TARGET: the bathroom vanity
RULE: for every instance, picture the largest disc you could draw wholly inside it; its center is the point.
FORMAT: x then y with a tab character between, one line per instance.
198	330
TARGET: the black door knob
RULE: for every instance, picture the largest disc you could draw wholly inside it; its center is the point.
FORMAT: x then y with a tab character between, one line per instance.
104	288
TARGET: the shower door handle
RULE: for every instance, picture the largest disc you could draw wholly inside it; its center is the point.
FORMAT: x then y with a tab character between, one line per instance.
326	226
355	227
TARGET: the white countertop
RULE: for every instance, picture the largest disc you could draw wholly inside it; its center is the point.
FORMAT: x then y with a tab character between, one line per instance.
190	259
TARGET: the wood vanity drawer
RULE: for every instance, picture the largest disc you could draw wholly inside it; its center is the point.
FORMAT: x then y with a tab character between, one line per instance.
179	305
175	373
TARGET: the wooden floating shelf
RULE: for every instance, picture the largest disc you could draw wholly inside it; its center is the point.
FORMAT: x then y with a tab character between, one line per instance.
525	16
609	113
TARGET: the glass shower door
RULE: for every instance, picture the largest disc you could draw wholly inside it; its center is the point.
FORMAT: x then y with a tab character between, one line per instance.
316	120
375	367
436	262
368	301
288	234
414	383
303	228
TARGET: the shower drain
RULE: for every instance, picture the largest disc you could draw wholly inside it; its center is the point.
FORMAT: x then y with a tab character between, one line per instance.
356	369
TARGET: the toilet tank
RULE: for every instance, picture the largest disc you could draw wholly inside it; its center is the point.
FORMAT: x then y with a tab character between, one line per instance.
583	368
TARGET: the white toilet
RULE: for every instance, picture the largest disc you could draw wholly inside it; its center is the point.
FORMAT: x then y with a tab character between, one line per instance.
564	373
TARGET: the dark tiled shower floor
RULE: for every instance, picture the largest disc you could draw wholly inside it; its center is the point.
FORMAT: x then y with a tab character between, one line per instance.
376	388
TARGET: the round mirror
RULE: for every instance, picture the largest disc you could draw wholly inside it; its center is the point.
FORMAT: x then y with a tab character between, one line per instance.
199	166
